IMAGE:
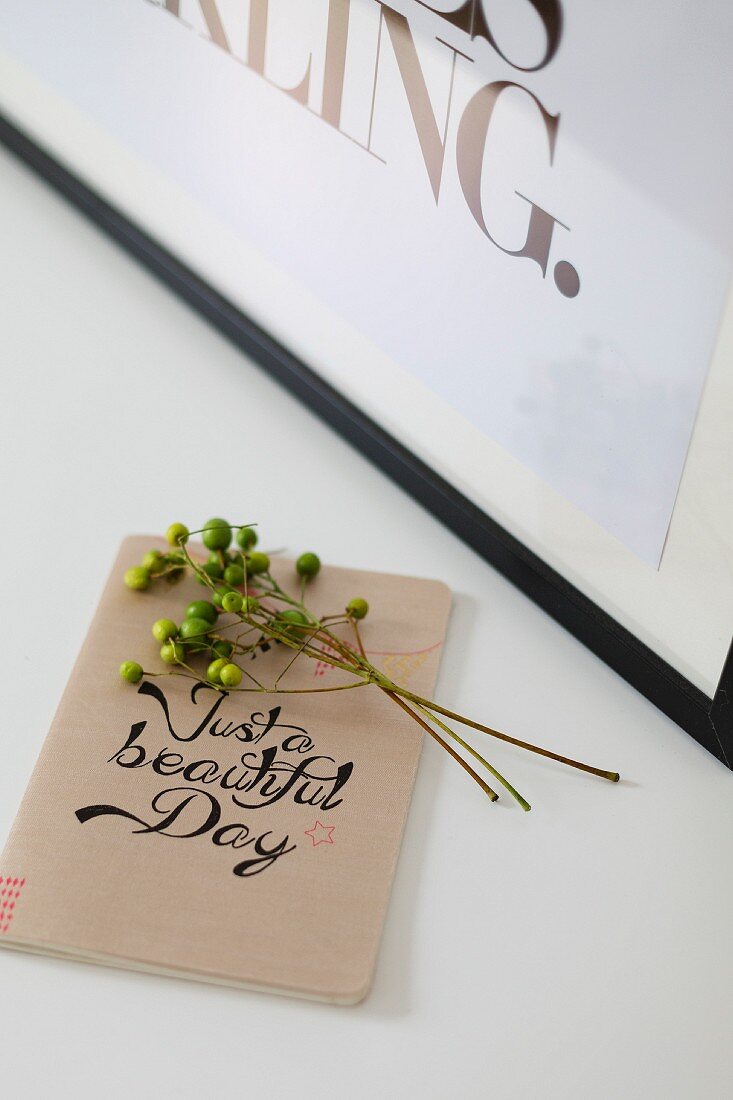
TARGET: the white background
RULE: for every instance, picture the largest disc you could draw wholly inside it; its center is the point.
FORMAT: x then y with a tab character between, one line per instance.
579	951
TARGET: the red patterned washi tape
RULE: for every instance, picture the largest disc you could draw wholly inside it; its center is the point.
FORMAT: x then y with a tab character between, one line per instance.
10	891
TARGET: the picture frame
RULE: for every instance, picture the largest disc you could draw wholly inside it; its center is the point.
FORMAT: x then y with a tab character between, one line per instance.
39	130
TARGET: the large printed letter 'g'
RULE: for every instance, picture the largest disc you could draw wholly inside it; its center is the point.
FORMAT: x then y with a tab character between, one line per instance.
470	149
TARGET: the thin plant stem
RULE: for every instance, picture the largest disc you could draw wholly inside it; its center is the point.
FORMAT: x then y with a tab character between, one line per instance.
419	700
357	635
444	744
312	652
477	756
292	661
260	690
451	733
612	777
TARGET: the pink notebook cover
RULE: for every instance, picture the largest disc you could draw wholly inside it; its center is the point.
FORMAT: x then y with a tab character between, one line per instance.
250	839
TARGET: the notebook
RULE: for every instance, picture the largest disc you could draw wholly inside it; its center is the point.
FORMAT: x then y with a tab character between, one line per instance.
249	839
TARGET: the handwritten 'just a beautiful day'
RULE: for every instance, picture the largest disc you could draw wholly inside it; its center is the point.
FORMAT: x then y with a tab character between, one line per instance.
281	762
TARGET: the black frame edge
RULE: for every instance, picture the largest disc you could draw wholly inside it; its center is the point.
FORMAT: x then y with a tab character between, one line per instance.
709	721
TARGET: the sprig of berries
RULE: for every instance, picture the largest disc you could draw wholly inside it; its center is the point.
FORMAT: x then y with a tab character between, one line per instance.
240	584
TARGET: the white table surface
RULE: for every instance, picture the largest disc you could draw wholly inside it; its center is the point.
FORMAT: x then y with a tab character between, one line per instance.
581	950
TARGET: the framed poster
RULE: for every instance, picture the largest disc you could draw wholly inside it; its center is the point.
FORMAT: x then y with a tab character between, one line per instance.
490	242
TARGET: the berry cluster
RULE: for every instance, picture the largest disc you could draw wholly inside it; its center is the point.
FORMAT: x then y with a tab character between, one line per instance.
247	610
238	577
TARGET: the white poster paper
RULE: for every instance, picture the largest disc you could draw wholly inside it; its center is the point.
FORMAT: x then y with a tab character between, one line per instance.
524	204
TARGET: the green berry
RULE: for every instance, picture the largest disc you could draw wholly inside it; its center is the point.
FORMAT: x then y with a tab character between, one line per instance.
219	594
257	562
213	672
163	629
231	601
202	609
231	676
251	605
154	562
223	649
292	615
246	537
357	608
289	621
217	534
137	577
194	630
131	671
234	574
172	653
308	565
177	557
176	534
213	570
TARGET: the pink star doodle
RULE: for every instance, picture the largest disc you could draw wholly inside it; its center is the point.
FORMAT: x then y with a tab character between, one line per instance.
321	834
